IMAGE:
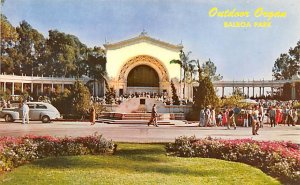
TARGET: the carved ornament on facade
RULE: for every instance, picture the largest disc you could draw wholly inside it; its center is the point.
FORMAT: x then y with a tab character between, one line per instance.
146	60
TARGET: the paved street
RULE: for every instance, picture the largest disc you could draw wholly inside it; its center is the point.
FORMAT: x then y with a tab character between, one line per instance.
143	133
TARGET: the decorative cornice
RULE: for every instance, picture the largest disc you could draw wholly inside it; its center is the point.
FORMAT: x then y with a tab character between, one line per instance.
143	38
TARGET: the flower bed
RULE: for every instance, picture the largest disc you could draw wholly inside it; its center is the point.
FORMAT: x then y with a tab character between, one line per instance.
278	159
17	151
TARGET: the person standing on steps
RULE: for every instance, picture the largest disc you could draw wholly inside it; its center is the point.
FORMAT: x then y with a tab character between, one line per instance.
154	116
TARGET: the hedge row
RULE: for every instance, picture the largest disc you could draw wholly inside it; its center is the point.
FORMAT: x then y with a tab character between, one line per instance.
278	159
17	151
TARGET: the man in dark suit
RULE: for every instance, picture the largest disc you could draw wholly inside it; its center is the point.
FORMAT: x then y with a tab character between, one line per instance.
154	116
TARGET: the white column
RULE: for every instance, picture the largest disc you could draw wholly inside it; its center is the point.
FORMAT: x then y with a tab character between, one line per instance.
181	92
94	89
22	88
272	92
223	88
259	91
42	87
192	92
52	88
4	86
13	88
31	88
248	92
293	95
97	88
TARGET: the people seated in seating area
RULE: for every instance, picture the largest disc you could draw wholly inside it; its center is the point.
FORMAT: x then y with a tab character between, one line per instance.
162	97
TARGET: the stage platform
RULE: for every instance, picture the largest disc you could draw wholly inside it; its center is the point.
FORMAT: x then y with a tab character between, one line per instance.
141	116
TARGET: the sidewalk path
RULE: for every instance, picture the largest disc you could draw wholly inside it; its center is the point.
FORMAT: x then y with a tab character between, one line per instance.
144	134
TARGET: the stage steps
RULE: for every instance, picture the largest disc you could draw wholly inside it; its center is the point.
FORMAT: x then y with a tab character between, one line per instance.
112	121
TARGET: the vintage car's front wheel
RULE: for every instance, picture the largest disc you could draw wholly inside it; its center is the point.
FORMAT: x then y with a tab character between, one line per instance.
8	118
45	119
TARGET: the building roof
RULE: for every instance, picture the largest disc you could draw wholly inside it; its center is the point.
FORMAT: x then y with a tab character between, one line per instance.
143	37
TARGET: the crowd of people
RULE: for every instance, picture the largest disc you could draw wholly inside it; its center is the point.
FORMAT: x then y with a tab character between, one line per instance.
163	97
254	116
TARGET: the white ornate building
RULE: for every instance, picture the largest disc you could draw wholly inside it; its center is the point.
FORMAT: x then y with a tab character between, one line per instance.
142	64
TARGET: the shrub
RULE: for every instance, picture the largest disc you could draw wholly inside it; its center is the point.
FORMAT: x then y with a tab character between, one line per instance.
278	159
17	151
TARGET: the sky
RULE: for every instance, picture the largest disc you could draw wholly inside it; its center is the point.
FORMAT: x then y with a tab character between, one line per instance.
238	53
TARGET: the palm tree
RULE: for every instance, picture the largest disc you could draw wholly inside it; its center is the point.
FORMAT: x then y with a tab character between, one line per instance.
184	66
191	71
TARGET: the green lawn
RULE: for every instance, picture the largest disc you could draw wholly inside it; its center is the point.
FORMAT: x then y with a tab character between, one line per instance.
135	164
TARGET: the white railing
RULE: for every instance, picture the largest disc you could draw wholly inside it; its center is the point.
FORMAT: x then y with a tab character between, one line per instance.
256	83
39	79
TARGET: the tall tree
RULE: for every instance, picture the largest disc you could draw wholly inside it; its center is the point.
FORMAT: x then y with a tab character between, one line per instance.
65	52
286	91
30	46
81	98
9	38
209	70
205	93
174	94
190	72
287	64
96	63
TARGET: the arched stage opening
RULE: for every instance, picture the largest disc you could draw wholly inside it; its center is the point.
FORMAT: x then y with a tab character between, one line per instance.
143	76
